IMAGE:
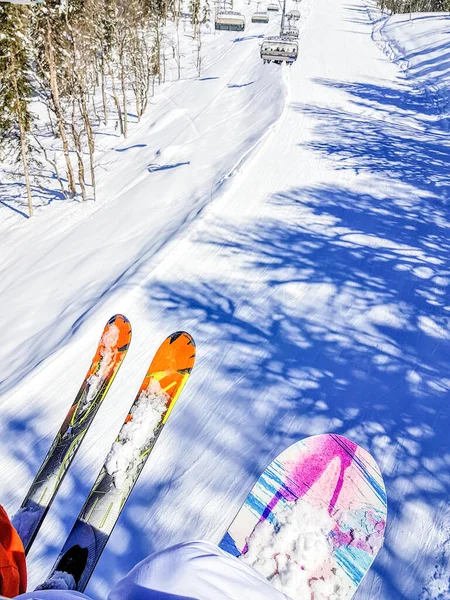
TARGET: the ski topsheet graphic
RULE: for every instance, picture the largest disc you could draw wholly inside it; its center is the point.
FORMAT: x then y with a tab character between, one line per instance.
110	353
314	521
163	383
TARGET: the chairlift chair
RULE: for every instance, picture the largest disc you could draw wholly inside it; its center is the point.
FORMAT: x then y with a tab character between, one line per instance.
290	31
279	50
260	17
229	21
293	15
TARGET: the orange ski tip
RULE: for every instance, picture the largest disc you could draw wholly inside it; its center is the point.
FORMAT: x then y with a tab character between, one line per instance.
122	323
173	337
171	364
117	317
123	326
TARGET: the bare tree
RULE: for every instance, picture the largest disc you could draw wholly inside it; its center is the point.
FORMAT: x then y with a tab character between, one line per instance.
15	88
50	51
92	59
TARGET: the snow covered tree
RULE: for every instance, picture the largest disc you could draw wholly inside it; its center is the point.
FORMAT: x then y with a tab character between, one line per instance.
195	8
404	6
16	89
441	5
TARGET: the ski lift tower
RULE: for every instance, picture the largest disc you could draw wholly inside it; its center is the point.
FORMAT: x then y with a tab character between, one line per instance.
282	18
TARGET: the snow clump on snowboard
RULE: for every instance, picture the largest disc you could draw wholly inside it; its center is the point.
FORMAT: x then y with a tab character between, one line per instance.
288	553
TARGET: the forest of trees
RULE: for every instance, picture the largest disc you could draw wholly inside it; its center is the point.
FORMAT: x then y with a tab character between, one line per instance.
404	6
87	62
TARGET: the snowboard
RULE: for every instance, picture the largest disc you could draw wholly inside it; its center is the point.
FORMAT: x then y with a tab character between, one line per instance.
314	521
160	389
109	355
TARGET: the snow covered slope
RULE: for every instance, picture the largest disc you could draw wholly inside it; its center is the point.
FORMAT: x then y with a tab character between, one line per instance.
150	186
420	46
316	287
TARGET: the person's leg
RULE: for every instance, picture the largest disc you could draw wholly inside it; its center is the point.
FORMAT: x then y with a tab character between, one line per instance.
193	571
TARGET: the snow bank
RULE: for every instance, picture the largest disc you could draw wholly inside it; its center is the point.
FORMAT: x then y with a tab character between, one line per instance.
417	45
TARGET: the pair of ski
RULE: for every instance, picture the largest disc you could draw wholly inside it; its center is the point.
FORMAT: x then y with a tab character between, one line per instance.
162	384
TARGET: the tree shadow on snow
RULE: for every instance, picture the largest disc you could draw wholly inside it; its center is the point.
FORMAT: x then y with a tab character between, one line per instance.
155	167
351	335
342	324
241	85
402	143
14	209
14	196
131	147
248	37
27	449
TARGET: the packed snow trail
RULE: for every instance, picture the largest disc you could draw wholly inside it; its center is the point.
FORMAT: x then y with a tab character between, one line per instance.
317	291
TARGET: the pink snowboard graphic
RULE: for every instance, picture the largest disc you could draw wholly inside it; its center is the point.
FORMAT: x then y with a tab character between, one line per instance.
314	521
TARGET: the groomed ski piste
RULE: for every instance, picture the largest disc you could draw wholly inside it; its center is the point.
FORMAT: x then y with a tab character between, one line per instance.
295	220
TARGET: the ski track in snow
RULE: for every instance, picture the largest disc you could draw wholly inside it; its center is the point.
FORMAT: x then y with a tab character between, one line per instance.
316	286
